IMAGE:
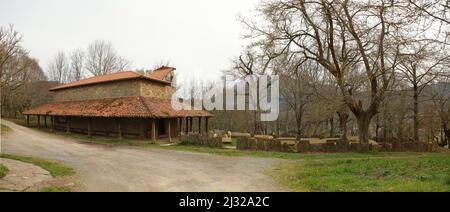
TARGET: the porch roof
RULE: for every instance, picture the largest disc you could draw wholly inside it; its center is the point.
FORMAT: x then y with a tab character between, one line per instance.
125	107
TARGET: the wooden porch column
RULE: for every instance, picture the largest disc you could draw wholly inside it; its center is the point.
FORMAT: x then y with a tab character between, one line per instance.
206	127
180	125
89	127
45	122
168	130
191	123
153	131
39	122
52	122
67	124
200	125
28	120
187	125
119	127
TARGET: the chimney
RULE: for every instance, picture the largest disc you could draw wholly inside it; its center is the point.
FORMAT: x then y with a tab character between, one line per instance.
164	73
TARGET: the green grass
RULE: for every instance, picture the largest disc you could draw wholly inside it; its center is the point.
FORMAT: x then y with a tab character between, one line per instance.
283	155
234	141
55	168
409	174
4	129
3	171
55	189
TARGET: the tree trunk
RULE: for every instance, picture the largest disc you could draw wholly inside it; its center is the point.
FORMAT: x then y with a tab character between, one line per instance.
363	129
447	134
298	121
343	119
331	127
416	113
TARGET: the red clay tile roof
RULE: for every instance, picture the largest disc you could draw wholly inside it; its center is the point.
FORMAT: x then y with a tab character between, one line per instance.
161	73
109	78
126	107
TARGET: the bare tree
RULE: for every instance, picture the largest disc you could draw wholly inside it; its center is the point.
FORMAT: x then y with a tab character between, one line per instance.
437	9
356	41
58	68
17	69
122	64
296	87
440	96
160	64
254	61
10	52
77	60
421	67
102	59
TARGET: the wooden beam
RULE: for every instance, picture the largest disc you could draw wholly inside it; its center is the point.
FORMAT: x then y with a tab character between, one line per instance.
28	120
206	125
119	127
52	122
39	122
169	134
67	124
187	125
153	131
191	120
200	125
89	127
45	122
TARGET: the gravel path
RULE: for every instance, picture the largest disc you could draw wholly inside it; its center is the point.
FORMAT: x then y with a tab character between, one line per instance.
101	168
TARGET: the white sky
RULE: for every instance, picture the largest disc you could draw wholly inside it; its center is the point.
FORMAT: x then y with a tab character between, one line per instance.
199	37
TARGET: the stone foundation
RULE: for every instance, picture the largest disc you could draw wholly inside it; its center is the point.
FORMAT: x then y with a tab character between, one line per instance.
201	140
304	146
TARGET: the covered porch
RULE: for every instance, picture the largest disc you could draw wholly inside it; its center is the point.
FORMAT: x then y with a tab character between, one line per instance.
130	117
152	129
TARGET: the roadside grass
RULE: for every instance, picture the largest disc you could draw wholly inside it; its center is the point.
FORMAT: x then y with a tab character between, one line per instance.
4	129
289	156
426	173
3	171
22	122
58	189
55	168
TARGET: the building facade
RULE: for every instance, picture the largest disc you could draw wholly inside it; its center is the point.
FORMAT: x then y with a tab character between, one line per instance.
124	104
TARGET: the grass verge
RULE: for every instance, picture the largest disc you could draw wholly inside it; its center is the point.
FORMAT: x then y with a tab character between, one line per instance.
4	129
54	168
289	156
55	189
3	171
427	173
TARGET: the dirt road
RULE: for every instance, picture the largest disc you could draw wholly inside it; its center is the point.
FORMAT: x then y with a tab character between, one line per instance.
101	168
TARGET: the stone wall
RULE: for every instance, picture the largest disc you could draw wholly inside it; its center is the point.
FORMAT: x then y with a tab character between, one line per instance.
125	88
408	147
201	140
156	90
304	146
116	89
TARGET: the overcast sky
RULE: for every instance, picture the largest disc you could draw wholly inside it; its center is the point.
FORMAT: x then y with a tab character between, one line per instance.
199	37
